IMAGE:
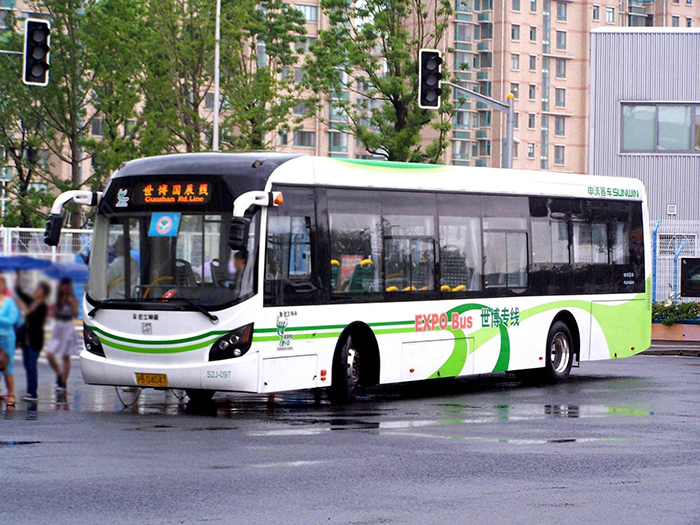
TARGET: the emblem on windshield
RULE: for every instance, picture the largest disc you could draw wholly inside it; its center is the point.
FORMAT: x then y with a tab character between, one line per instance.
122	199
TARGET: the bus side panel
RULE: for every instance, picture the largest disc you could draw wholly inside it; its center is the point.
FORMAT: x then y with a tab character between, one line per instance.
620	329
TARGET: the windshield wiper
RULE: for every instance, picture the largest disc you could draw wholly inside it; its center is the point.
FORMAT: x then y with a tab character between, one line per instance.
106	302
213	318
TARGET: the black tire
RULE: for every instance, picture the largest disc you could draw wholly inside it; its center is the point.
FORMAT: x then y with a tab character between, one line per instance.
559	354
200	396
346	373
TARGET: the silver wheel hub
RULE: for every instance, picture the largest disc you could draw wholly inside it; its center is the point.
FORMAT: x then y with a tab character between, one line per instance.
353	367
559	352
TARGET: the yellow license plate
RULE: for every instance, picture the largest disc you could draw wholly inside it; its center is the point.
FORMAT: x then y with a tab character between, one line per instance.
151	379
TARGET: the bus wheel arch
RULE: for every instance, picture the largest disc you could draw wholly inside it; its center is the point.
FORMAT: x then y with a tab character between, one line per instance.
359	336
568	318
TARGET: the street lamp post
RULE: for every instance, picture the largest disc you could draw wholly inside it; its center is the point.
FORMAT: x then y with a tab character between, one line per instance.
217	38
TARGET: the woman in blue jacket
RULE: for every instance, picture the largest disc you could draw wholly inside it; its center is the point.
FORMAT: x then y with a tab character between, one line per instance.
9	319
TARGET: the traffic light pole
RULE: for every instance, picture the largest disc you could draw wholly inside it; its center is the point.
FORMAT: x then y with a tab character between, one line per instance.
504	107
3	52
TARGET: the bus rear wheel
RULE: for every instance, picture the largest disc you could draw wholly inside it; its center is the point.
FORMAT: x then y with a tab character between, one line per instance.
346	373
559	354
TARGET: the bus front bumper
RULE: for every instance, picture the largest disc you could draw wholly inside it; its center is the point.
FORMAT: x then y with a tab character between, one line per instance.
235	375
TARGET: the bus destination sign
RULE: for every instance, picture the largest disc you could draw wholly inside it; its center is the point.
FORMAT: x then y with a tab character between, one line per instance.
173	193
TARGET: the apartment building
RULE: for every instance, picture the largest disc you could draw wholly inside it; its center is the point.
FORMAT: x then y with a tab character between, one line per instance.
539	50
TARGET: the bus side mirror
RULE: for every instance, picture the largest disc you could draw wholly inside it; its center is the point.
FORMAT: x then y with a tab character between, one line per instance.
238	233
52	234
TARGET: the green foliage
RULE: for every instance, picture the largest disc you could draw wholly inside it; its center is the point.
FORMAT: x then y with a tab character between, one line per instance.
371	50
675	312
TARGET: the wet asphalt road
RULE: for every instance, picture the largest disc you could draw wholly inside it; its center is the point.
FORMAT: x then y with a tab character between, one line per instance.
619	443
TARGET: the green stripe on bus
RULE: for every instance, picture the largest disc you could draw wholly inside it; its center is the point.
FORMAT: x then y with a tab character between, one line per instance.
158	350
387	165
152	342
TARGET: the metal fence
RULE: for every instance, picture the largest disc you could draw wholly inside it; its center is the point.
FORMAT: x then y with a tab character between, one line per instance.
671	241
30	242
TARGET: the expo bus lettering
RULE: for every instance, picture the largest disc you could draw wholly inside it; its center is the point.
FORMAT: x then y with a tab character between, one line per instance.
426	323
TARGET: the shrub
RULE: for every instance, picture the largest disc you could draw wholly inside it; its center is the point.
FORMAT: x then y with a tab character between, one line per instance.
675	313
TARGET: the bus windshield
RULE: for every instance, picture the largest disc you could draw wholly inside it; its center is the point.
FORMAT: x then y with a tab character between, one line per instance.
169	256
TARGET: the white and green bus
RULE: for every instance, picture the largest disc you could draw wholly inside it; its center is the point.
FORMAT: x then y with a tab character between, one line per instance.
267	272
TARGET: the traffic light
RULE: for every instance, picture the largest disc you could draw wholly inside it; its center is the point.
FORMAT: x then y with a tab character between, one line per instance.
37	36
429	78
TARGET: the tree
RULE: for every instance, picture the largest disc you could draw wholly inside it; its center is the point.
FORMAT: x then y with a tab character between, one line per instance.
113	40
258	88
371	50
178	61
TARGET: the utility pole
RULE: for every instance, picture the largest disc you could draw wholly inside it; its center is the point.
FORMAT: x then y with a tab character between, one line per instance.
217	38
505	107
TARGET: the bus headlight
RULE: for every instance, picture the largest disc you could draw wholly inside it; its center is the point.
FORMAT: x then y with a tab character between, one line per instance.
233	344
92	342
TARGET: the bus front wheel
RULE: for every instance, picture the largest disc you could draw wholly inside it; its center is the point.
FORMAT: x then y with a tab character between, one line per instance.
346	373
559	353
200	396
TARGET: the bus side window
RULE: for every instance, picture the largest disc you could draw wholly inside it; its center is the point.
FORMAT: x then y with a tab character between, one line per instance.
355	222
289	264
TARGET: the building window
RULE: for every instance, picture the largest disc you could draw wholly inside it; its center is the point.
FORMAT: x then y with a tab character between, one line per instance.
533	34
531	92
661	128
530	150
561	40
98	127
209	101
460	149
463	6
530	121
515	89
484	148
461	120
484	119
559	126
675	21
516	5
609	15
303	44
515	62
533	6
561	68
284	137
310	12
533	62
688	2
689	22
462	32
515	150
305	139
486	30
462	61
337	113
516	120
559	155
486	59
560	97
338	141
561	11
298	75
596	12
515	32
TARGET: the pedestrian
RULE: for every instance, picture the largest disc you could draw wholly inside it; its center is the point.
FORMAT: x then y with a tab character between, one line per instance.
63	342
9	318
31	336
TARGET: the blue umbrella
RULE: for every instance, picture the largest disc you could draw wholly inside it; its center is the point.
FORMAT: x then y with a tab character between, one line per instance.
11	264
74	271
